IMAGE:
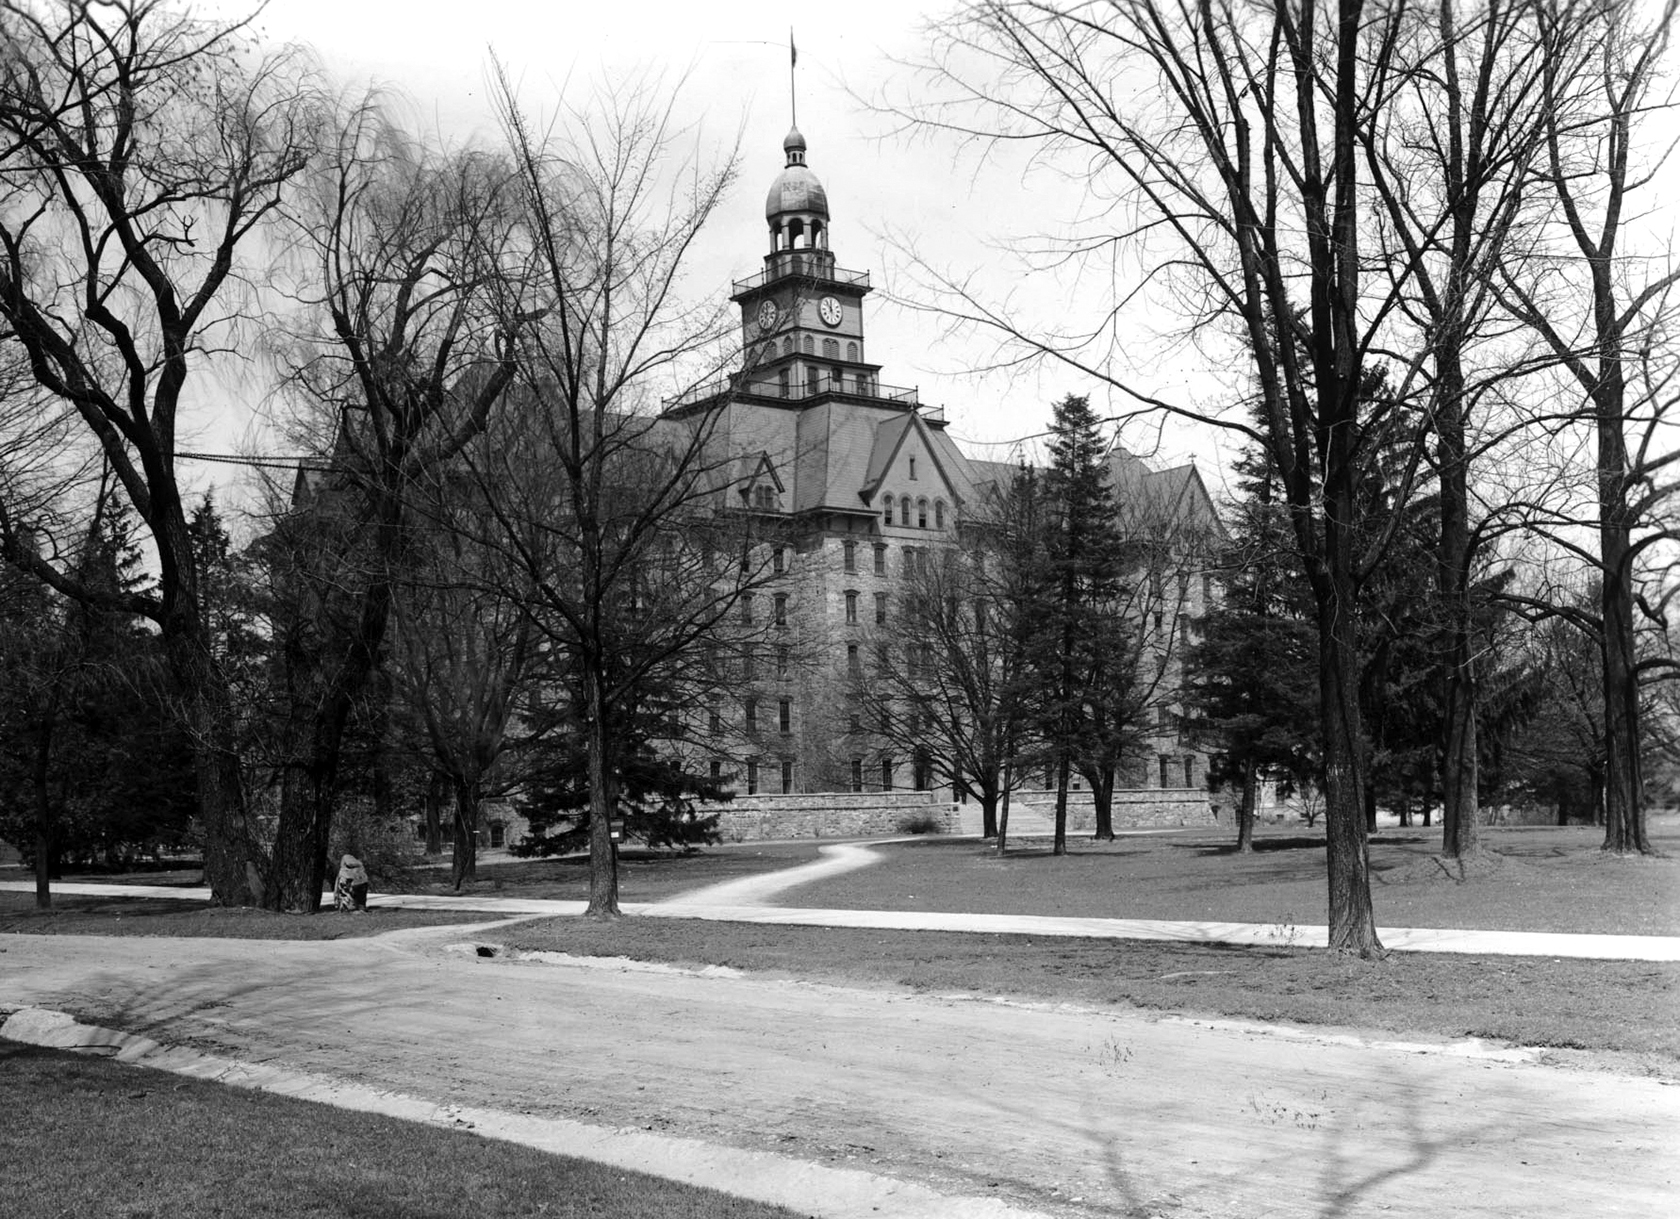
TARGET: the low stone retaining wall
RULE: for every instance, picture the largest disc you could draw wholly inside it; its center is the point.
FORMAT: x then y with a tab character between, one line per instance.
1133	807
831	815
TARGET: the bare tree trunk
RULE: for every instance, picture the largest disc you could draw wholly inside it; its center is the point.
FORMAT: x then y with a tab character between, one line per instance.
1352	921
43	814
1003	810
603	860
464	870
1102	797
232	862
1624	806
1459	780
436	785
1245	808
1063	769
306	815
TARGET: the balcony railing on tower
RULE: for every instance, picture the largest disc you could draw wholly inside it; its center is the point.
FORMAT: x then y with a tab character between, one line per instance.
857	387
812	265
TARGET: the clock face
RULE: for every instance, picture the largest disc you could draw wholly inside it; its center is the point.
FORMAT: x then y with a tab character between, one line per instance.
829	309
767	315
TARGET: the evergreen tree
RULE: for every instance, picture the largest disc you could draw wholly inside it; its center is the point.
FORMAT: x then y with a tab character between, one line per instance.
656	786
1084	708
1251	672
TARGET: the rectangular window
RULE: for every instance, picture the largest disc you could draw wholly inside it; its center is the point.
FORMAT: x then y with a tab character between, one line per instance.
851	608
850	550
752	778
784	715
752	714
782	660
747	608
857	774
1207	590
787	776
717	771
749	663
1189	772
778	561
781	609
1166	771
714	720
880	558
853	667
880	609
886	774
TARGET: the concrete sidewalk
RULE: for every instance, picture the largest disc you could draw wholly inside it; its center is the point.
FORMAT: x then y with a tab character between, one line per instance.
741	902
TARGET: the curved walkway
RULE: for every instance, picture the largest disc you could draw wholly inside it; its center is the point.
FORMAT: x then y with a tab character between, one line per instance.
745	901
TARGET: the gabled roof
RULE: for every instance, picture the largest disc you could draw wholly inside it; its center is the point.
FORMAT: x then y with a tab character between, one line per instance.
750	467
890	436
889	439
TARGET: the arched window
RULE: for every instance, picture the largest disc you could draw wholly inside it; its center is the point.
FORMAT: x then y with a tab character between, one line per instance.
809	345
787	346
831	349
939	514
886	510
912	468
921	514
851	352
904	512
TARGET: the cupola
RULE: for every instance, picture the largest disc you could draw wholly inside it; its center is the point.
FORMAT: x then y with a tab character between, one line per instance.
797	206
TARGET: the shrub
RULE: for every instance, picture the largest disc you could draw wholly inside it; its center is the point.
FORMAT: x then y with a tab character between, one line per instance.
920	823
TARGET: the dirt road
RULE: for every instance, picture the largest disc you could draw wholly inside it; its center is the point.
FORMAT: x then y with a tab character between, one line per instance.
1067	1110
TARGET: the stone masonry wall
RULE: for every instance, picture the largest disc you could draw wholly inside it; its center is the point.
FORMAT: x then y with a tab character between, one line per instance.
830	815
1133	808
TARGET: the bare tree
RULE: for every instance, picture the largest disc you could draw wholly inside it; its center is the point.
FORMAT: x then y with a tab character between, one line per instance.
139	150
1230	138
1451	155
944	677
464	651
1607	321
619	522
411	275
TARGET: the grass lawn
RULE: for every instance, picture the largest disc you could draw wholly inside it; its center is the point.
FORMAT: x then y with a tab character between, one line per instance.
1617	1007
1539	879
85	1136
166	916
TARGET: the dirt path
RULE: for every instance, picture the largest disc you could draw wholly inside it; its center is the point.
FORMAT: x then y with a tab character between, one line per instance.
1129	1115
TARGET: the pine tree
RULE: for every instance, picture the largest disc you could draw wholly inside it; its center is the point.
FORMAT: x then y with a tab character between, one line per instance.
1077	586
1251	672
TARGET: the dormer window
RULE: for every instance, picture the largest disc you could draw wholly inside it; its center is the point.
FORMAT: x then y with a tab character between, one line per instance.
764	498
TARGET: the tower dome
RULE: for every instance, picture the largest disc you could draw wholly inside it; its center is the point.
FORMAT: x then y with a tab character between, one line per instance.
796	190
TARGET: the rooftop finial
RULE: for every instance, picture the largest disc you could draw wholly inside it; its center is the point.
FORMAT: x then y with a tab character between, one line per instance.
793	62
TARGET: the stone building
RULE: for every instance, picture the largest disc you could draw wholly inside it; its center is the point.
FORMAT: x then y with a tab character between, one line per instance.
860	482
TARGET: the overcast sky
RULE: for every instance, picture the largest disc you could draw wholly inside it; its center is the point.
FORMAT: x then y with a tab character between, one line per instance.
886	193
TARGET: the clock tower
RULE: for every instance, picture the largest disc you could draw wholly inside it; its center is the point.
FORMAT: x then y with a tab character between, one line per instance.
802	316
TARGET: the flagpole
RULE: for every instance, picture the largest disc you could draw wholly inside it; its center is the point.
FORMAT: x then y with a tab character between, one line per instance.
793	62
